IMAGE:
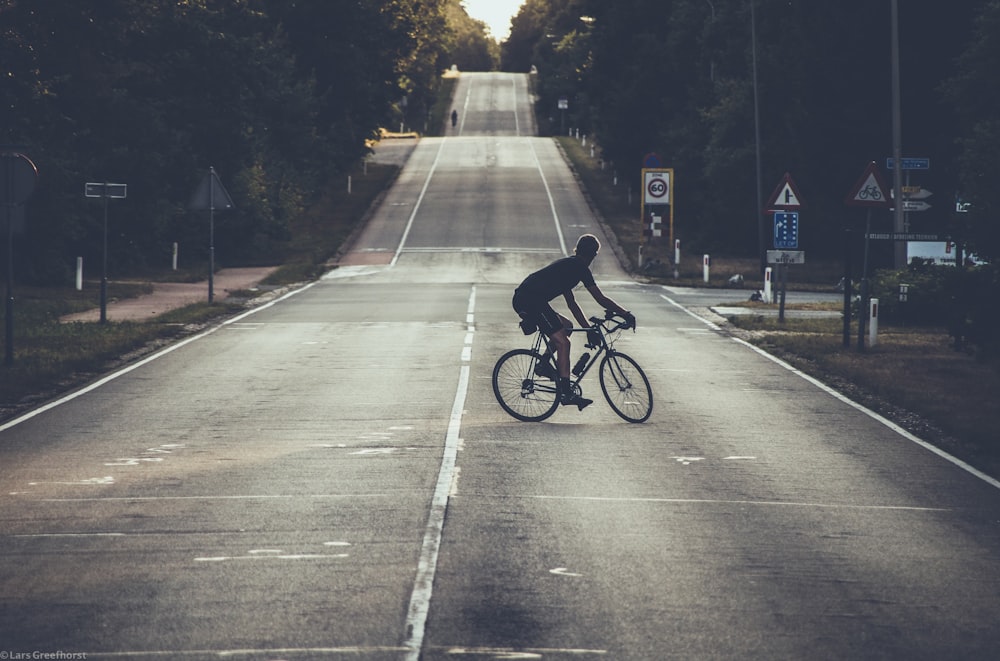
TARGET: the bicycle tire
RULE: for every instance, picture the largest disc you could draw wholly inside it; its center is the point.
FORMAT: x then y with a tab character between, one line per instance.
626	387
520	392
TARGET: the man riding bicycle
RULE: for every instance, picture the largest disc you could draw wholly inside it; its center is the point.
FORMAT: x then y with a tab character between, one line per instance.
531	302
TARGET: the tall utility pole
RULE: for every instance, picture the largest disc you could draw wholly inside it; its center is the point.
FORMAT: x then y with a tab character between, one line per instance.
761	239
898	222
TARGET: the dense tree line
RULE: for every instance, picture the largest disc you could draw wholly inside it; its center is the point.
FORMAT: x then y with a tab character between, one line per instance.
675	77
681	78
278	96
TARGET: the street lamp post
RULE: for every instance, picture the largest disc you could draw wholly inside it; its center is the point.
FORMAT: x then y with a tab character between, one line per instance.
898	224
761	240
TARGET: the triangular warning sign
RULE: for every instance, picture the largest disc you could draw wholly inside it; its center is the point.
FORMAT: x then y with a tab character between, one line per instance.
785	196
870	191
210	195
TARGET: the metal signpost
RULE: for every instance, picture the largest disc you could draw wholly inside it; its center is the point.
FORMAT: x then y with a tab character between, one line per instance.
901	222
658	199
209	196
870	192
105	191
784	205
19	178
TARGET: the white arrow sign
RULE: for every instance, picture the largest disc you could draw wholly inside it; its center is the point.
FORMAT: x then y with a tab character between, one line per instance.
919	205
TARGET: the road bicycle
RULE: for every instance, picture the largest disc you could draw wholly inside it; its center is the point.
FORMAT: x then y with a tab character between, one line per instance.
524	380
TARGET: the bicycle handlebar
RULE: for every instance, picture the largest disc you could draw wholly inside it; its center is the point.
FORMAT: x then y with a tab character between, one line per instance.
621	322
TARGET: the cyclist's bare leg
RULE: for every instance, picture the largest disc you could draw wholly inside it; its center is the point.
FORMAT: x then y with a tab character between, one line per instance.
560	339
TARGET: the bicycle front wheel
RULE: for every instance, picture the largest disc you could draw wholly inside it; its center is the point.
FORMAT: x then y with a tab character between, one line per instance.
626	387
519	390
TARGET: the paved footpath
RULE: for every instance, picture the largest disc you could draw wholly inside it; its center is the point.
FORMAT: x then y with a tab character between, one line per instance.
168	296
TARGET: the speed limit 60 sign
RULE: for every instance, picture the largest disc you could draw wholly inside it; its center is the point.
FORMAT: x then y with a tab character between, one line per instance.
656	184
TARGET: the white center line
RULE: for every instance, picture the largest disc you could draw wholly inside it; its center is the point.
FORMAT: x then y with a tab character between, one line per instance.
420	599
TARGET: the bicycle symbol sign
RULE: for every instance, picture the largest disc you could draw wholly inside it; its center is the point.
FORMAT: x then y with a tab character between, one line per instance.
870	191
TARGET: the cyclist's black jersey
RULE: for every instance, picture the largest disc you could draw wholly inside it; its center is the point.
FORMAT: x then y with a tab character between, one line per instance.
555	279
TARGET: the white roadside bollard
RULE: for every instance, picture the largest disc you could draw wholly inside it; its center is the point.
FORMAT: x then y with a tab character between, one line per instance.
767	286
705	263
677	258
873	322
79	273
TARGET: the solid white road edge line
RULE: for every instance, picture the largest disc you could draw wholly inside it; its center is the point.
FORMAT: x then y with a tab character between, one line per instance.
843	398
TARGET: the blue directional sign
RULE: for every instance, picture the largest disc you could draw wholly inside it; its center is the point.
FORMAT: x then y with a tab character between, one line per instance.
786	230
909	163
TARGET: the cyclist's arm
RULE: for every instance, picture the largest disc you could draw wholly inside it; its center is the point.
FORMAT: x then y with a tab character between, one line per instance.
605	301
575	309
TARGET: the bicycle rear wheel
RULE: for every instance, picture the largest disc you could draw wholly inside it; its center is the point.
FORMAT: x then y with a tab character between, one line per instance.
522	393
626	387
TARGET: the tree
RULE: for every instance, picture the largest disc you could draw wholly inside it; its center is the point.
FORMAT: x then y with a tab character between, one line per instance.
277	96
975	94
469	48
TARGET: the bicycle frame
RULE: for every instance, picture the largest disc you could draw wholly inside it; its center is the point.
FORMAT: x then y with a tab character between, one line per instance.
603	331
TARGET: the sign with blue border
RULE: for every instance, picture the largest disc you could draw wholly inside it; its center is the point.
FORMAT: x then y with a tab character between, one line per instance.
786	230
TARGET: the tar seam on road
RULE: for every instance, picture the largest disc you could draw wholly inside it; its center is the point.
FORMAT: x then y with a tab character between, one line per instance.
423	585
846	400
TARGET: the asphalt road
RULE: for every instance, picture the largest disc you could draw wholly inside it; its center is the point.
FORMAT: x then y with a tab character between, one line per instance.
329	475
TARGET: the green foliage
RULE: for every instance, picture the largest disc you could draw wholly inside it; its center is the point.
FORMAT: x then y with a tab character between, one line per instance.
279	97
966	301
676	77
471	49
976	96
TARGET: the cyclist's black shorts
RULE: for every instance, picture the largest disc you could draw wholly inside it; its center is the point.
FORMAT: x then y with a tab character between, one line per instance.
537	312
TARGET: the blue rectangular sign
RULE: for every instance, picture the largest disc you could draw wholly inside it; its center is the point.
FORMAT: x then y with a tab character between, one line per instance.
786	230
909	163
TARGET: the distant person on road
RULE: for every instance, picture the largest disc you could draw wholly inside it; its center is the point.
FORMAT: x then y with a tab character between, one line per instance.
531	302
454	118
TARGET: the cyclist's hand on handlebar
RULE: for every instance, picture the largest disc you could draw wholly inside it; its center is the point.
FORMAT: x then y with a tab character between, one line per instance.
629	320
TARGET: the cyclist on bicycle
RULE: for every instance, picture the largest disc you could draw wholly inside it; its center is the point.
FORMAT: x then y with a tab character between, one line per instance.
531	302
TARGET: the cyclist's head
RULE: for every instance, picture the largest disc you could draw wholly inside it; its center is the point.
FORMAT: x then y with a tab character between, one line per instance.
587	247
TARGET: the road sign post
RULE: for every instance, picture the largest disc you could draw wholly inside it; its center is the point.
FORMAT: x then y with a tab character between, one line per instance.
105	191
870	192
657	199
19	178
784	204
783	258
209	196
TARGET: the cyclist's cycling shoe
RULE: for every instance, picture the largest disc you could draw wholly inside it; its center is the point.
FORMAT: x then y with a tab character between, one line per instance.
580	402
546	371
